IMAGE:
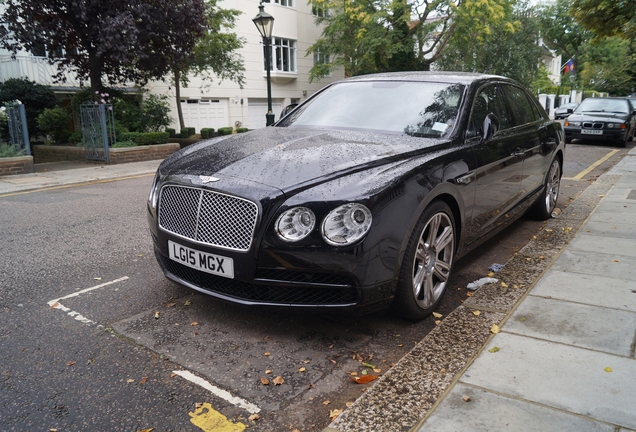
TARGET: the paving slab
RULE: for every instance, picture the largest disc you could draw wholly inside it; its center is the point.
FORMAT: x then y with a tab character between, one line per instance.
594	263
615	215
594	327
560	376
487	412
589	289
610	245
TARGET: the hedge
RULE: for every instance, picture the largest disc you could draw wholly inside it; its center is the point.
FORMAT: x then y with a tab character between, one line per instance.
144	138
225	131
241	130
172	133
207	133
187	132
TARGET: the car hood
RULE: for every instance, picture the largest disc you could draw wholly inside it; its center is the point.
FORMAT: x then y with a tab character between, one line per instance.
598	116
287	158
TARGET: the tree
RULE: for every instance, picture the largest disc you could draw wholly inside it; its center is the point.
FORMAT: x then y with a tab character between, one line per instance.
213	54
559	30
607	17
366	36
117	40
607	66
510	49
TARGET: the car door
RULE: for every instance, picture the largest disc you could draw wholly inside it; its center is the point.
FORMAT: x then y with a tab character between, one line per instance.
530	135
498	164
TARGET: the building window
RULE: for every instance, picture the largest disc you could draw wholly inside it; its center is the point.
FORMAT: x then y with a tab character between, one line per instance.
322	60
320	12
288	3
283	55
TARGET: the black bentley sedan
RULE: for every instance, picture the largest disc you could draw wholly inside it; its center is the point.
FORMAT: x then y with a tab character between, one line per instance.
362	197
609	119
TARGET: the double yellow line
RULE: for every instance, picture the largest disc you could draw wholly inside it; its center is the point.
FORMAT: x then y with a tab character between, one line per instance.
589	169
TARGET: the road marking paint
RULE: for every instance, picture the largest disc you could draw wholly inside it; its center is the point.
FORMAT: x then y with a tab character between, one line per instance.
589	169
208	419
55	304
223	394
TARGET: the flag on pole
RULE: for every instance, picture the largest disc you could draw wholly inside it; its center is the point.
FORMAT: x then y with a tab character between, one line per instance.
568	67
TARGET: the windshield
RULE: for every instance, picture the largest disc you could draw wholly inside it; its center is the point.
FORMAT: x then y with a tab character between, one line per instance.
422	109
604	105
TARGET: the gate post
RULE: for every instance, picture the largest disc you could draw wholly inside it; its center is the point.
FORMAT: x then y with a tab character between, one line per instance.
18	128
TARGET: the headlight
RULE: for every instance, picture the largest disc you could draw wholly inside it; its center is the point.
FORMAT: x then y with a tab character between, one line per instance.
152	198
569	123
295	224
346	224
610	125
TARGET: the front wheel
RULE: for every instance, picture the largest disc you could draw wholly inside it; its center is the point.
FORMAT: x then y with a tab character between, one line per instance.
548	200
427	263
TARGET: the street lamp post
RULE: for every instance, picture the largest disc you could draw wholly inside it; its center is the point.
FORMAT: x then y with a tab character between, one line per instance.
265	23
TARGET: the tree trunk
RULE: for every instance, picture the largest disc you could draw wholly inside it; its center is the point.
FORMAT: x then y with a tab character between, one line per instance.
177	91
95	76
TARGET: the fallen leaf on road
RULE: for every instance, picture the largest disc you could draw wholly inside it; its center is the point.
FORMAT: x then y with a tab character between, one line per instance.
97	278
194	323
278	380
504	285
353	373
266	354
437	322
302	369
70	363
568	229
326	402
443	370
370	366
146	430
156	315
130	381
264	381
376	370
348	404
253	417
476	313
608	369
172	375
522	319
187	303
494	329
333	414
491	274
268	371
306	361
331	360
400	345
469	294
364	379
466	398
143	380
437	315
616	261
493	349
171	304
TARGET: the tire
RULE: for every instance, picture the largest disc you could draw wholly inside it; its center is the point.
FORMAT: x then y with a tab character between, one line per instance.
427	264
546	203
623	143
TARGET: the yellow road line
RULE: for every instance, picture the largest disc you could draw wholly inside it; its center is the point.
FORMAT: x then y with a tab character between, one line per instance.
589	169
86	183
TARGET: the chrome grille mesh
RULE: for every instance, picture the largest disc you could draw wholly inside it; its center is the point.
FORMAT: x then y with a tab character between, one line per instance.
208	217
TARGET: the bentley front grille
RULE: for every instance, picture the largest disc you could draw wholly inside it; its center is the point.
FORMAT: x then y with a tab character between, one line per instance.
208	217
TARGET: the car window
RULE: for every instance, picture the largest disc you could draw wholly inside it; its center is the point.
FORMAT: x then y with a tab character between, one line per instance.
523	110
423	109
620	106
488	100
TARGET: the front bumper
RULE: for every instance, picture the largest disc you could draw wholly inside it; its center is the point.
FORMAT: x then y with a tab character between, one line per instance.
606	135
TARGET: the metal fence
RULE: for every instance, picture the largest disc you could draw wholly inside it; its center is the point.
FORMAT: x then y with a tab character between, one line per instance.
18	129
98	130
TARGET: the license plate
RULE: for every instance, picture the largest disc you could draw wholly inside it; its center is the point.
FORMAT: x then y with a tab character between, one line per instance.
207	262
592	131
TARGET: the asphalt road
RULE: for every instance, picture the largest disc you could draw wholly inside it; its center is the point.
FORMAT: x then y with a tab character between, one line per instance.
93	338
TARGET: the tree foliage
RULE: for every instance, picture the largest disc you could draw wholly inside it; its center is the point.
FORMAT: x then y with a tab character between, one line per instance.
35	97
214	53
509	49
559	30
607	17
366	36
607	66
118	40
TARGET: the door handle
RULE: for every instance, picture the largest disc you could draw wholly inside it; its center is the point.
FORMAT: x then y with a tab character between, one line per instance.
518	153
464	179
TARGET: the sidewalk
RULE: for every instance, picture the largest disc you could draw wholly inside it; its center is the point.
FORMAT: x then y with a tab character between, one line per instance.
564	358
59	174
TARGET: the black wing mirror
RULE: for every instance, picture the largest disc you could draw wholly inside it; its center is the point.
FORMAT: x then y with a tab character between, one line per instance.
490	127
570	110
287	110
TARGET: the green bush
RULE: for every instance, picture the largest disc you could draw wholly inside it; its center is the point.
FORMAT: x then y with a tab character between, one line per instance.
54	123
241	130
187	132
207	133
8	150
35	97
144	138
155	110
171	132
225	131
75	137
123	144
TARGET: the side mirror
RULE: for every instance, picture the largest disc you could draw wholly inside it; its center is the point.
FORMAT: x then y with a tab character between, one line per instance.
490	127
570	110
287	110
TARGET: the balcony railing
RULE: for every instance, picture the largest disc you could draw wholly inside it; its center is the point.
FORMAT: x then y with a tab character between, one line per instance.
35	69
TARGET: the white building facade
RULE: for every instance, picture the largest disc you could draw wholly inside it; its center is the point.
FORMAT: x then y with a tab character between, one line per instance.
215	104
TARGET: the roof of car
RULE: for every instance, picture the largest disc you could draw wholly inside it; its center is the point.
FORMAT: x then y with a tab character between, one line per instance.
430	76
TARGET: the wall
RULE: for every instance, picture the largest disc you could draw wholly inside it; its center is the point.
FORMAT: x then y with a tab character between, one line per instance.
16	165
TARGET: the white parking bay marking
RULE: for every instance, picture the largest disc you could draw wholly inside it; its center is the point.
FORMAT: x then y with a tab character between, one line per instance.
55	303
223	394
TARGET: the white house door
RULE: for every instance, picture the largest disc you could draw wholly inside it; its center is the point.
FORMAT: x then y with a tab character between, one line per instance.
205	113
257	109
